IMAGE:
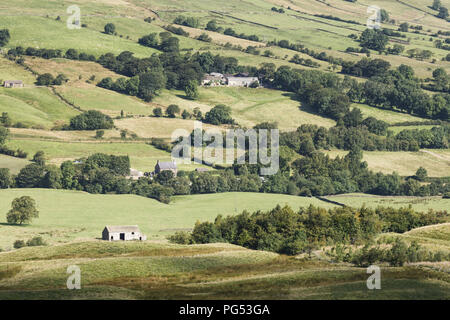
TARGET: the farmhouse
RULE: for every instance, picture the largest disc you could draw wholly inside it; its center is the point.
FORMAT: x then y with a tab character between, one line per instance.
239	80
214	79
13	84
124	233
166	166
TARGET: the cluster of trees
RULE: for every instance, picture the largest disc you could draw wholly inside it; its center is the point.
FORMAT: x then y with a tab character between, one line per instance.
283	230
395	89
4	133
164	42
374	39
187	21
33	242
47	79
442	11
168	70
368	134
279	10
90	120
366	67
305	62
440	81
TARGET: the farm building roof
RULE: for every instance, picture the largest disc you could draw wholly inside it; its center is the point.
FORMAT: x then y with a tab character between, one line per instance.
122	228
167	165
13	81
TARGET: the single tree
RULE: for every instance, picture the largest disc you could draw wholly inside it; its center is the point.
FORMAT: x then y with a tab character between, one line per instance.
39	158
421	174
157	112
110	28
172	110
191	90
4	37
23	211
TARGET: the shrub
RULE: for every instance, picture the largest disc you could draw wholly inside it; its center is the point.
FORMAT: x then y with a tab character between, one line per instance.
180	237
19	244
36	241
91	120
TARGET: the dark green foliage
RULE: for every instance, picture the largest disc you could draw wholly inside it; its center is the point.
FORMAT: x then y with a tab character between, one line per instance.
23	211
5	178
91	120
374	39
220	114
172	110
4	133
19	244
157	112
150	40
150	84
36	241
110	28
284	231
4	37
30	176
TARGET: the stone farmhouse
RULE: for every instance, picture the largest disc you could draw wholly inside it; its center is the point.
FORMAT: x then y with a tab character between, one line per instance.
166	166
13	84
122	233
240	80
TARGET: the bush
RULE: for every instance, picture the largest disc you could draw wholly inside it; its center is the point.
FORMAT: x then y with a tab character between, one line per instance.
91	120
36	241
19	244
181	237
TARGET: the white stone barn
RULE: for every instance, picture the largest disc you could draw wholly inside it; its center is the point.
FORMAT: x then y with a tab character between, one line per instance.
13	84
124	233
241	81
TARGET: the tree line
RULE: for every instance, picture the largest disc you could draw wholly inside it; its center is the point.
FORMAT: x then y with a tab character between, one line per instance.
283	230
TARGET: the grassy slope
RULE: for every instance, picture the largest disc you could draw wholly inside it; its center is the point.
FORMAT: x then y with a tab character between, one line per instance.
418	203
66	215
143	157
13	164
437	162
217	271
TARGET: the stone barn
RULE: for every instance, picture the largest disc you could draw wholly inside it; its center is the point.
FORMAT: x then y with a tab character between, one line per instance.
166	166
124	233
13	84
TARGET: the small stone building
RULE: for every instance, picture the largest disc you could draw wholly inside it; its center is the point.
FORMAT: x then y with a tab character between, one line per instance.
124	233
166	166
13	84
241	81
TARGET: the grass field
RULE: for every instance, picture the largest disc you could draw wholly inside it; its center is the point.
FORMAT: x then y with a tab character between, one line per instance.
34	106
437	162
143	157
13	164
217	271
418	203
68	215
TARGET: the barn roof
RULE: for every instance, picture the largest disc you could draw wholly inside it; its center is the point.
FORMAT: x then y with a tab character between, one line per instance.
122	228
14	81
166	165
